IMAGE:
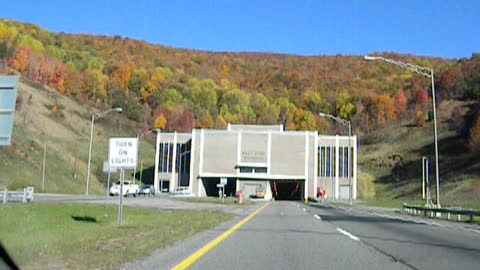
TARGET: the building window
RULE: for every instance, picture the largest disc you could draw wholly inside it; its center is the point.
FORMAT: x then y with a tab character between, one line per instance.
322	162
328	162
246	169
253	169
260	170
340	161
347	164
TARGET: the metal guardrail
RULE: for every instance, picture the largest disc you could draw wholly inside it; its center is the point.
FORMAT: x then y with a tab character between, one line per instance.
437	212
26	195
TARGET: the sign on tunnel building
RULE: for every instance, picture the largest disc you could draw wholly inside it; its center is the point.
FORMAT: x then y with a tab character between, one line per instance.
253	156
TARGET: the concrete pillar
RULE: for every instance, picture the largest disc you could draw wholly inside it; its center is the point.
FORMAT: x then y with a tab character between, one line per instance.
315	165
201	188
157	157
268	192
354	165
305	191
337	146
173	182
192	159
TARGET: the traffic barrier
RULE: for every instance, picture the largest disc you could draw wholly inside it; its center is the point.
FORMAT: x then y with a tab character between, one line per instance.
437	212
25	195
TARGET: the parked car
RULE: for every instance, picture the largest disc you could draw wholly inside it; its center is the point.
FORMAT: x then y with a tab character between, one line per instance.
129	188
147	190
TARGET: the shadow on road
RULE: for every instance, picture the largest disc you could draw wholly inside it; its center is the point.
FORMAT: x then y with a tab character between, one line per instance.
340	216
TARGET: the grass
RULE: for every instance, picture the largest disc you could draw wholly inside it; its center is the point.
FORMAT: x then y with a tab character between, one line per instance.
388	182
215	200
67	146
76	236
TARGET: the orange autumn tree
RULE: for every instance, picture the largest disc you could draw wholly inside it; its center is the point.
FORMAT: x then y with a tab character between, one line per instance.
400	102
206	121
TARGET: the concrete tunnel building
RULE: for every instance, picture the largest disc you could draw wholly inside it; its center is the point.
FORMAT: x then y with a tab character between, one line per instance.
256	158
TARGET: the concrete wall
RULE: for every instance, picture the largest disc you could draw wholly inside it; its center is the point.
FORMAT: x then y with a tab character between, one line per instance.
220	153
288	154
254	148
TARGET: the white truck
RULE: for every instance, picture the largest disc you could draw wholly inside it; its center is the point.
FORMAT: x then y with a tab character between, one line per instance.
129	188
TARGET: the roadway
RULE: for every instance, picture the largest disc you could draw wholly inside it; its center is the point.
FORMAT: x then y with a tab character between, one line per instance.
292	235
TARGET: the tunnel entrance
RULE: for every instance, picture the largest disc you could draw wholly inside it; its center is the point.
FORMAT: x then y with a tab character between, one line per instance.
287	190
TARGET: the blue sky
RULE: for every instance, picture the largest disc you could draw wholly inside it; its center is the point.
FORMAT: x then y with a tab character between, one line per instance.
449	29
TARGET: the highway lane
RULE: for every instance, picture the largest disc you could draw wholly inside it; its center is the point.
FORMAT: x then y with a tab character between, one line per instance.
286	235
417	245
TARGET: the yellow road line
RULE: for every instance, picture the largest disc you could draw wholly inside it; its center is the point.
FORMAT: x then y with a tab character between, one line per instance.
204	250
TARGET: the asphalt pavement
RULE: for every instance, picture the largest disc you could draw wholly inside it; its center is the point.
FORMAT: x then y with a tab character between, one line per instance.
292	235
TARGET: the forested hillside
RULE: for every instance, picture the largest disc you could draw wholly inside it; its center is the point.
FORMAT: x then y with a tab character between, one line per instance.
178	89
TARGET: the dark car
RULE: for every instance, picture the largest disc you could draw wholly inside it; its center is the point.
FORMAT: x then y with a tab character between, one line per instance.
147	190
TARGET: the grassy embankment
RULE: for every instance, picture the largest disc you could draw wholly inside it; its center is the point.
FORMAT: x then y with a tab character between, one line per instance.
75	236
67	133
390	163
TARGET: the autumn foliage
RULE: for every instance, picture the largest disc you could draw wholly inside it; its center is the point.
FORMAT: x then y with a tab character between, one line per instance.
178	89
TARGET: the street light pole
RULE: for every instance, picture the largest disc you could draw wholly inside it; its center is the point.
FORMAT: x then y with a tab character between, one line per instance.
347	124
98	116
437	172
90	153
426	72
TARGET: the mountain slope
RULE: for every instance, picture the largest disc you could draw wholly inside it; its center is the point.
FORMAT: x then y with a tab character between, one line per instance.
67	131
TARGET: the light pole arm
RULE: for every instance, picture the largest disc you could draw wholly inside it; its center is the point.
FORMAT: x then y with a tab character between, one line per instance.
427	72
335	118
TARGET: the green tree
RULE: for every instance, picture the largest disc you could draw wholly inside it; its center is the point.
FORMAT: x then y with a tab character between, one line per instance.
170	97
345	106
287	112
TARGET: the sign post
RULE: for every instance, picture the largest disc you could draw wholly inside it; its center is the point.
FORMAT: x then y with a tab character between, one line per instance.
221	186
107	169
122	154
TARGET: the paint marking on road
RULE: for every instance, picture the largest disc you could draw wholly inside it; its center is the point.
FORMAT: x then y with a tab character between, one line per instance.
472	230
415	220
317	217
351	236
204	250
304	209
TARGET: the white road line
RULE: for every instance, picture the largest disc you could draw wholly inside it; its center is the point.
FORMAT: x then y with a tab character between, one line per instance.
472	230
317	217
304	209
412	219
351	236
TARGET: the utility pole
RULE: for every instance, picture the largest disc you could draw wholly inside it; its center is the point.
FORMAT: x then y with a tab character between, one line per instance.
44	160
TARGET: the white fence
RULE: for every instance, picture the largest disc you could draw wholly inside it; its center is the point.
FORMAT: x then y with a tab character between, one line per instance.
25	195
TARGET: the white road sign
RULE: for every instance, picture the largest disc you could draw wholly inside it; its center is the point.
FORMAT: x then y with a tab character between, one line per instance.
122	153
223	181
